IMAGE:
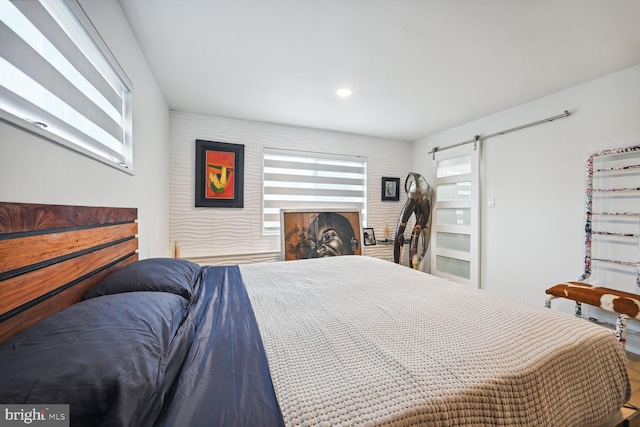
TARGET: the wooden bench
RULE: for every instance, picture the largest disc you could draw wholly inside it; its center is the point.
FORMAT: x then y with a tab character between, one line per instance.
625	304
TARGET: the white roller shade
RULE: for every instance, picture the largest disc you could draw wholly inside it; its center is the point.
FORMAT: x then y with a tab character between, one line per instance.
299	180
58	74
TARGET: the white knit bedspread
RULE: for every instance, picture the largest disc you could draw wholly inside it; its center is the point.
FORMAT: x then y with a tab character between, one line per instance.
354	340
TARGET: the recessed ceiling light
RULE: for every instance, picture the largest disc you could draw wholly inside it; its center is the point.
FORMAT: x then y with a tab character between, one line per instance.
345	92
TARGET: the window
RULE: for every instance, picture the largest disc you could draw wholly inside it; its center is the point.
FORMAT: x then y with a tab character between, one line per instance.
299	180
59	79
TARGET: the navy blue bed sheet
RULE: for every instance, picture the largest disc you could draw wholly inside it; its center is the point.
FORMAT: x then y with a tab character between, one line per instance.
225	379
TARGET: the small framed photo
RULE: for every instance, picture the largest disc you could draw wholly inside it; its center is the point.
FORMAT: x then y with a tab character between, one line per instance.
369	238
390	189
219	177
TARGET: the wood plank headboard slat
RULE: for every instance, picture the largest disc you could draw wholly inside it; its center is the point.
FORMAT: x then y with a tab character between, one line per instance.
24	217
19	252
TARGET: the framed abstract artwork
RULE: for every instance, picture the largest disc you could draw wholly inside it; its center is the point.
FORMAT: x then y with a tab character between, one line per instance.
219	174
320	233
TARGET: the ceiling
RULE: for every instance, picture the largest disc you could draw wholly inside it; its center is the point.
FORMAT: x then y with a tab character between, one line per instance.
416	67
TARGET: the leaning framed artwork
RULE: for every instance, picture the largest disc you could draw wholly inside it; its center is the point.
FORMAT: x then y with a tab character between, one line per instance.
390	189
320	233
219	181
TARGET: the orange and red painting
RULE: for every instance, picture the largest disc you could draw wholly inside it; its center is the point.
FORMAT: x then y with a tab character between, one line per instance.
220	174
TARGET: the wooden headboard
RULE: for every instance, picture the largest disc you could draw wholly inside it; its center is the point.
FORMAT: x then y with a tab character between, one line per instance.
50	255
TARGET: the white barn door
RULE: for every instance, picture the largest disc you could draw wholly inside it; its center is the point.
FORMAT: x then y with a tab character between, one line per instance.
455	235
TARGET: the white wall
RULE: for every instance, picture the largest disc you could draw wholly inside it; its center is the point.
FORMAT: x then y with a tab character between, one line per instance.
34	170
220	235
534	236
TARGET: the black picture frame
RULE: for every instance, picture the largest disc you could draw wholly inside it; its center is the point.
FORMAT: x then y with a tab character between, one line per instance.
368	237
390	189
213	159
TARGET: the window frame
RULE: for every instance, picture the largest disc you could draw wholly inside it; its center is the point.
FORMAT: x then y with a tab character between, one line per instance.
71	18
313	205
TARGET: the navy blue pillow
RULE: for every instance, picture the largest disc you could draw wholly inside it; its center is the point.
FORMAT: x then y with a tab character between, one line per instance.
111	359
176	276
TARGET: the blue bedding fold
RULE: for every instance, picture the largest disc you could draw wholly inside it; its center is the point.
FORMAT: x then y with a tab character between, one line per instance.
225	378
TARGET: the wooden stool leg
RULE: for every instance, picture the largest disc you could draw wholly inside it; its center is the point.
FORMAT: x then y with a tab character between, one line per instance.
621	329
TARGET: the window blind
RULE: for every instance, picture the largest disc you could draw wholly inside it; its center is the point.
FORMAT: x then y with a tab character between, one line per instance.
311	181
58	75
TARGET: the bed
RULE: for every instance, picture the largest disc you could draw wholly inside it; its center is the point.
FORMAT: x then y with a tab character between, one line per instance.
340	341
